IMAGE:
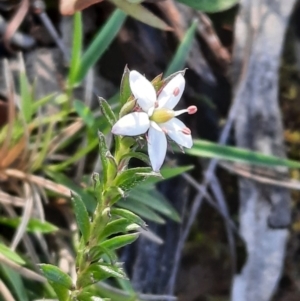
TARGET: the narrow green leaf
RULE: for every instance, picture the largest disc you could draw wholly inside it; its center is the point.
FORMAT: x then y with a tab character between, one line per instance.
129	216
88	296
10	254
47	136
137	155
167	173
210	6
129	178
95	253
98	272
127	107
140	13
61	291
25	92
121	225
125	285
112	194
56	275
107	111
106	290
170	172
15	282
113	167
208	149
183	50
97	186
84	112
42	101
76	48
141	210
82	216
125	91
119	241
60	178
81	152
101	42
127	141
34	225
154	200
173	214
103	149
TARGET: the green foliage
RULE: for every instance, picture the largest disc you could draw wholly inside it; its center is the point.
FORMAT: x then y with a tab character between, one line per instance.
97	252
87	198
125	91
49	139
15	282
56	275
120	225
150	197
25	93
10	254
61	291
119	241
82	216
102	40
99	271
87	296
137	155
128	215
130	178
76	49
208	149
108	214
84	112
142	210
33	225
182	52
107	111
140	13
210	6
103	150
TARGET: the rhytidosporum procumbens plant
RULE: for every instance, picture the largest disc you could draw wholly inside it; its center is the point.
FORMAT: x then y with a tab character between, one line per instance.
146	115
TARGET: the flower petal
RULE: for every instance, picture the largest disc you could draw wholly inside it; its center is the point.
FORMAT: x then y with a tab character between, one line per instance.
142	90
132	124
174	129
172	92
157	148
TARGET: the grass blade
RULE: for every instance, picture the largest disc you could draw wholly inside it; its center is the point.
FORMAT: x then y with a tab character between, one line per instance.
182	51
10	254
210	6
209	149
101	42
142	14
25	91
76	48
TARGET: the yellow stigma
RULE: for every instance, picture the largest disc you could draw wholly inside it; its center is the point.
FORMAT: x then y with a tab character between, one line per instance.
162	115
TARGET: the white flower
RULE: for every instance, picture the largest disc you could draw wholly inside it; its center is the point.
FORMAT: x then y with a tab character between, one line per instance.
156	116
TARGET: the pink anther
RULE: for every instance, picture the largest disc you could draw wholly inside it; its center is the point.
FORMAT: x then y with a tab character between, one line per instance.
192	110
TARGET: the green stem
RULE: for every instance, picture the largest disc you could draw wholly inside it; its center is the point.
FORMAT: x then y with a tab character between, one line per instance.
100	219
